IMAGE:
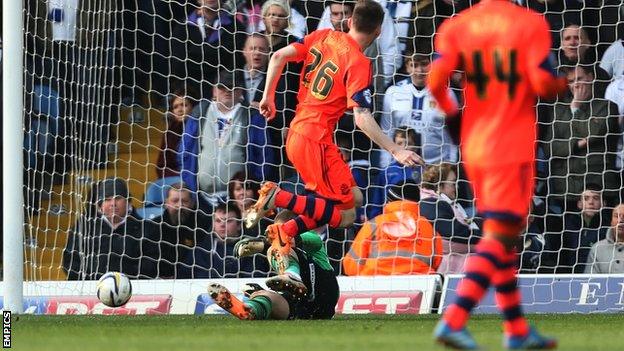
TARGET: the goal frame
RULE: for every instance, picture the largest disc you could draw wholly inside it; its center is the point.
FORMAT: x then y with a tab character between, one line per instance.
12	144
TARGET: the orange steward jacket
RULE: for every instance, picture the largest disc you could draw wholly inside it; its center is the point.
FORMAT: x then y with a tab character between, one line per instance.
399	241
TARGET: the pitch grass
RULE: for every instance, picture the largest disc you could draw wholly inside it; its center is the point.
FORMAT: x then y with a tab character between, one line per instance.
594	332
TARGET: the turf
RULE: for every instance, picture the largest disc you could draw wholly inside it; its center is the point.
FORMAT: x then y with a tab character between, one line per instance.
361	333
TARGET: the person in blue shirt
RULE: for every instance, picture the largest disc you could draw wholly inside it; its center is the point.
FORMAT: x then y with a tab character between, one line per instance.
395	173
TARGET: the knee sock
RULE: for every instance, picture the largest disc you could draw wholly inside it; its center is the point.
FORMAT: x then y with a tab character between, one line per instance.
293	266
313	212
480	269
261	307
508	297
298	225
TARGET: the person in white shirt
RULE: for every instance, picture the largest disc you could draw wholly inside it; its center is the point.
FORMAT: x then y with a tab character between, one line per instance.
401	14
384	50
615	93
607	255
409	103
613	59
298	26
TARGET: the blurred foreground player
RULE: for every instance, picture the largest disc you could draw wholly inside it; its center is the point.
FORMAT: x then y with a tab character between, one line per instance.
308	288
336	77
504	51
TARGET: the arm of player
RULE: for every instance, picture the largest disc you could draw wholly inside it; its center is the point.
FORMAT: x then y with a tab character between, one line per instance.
542	75
441	70
545	81
274	72
365	121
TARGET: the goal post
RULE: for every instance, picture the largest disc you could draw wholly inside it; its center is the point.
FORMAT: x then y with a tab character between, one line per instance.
12	144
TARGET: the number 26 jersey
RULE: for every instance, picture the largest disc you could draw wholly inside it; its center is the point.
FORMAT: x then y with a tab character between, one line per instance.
336	76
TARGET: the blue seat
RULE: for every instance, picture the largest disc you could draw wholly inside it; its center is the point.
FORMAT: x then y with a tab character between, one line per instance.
46	101
150	212
157	191
155	197
45	125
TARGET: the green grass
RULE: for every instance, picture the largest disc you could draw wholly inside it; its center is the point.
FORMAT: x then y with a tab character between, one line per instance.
594	332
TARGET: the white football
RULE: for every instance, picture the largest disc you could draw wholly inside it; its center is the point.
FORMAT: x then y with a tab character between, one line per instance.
114	289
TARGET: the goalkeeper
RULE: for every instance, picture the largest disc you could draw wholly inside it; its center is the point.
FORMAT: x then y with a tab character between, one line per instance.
308	288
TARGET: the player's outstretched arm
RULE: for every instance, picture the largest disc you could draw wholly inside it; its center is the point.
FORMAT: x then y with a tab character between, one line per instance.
545	82
365	121
443	66
437	82
441	70
541	65
274	71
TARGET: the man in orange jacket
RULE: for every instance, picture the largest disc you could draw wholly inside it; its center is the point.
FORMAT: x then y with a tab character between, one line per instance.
399	241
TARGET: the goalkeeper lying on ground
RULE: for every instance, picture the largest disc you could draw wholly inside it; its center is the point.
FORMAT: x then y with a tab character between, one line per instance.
307	289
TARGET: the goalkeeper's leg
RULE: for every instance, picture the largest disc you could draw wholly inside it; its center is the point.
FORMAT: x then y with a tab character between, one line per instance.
287	267
262	304
289	273
266	304
224	298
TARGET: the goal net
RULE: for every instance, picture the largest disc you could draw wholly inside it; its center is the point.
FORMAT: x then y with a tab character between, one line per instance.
143	147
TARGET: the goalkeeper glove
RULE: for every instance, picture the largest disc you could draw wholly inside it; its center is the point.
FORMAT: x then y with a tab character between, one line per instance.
250	246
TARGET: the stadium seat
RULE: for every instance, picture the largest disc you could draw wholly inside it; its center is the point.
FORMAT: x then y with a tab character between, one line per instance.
150	212
157	191
44	124
155	197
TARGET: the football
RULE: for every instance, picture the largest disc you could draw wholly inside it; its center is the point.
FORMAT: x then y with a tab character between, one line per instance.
114	289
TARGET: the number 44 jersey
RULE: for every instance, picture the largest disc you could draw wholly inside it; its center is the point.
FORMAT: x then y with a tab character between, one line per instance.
336	76
504	50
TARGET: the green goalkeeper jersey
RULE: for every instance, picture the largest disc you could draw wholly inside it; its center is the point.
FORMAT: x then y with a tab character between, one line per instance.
314	249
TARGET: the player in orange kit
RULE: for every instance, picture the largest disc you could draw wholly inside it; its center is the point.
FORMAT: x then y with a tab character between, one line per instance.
336	76
504	51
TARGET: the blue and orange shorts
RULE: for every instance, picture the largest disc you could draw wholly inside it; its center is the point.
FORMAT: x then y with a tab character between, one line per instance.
322	168
503	192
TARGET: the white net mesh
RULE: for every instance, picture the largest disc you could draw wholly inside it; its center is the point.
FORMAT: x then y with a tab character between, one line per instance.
137	90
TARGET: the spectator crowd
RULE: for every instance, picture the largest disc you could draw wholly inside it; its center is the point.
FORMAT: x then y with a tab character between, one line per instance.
204	62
